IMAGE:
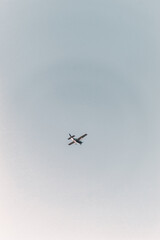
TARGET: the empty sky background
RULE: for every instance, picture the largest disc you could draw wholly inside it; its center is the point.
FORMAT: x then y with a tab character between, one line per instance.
79	67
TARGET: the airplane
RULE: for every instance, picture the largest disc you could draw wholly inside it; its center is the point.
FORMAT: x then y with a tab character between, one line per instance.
76	140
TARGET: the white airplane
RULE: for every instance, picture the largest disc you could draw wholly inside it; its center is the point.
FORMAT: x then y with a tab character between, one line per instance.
76	140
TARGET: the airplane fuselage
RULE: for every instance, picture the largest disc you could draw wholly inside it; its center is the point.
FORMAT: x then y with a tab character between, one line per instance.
75	140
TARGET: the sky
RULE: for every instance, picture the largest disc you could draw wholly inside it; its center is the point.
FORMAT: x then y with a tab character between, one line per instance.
79	67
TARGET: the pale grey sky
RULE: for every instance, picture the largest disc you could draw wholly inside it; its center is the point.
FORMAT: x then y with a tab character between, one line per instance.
79	67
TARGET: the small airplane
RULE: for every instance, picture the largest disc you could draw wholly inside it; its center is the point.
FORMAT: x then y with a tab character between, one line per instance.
76	140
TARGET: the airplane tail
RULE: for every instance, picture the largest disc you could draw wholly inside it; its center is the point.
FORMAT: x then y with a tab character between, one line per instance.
70	136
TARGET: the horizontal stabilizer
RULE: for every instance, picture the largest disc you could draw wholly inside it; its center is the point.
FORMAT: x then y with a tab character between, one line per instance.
71	136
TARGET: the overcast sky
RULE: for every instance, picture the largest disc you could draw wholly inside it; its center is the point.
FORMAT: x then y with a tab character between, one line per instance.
79	67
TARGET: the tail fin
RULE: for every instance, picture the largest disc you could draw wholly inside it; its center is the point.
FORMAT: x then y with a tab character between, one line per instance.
70	136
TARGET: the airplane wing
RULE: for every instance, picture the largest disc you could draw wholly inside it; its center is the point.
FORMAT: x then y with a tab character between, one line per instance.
82	136
70	143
